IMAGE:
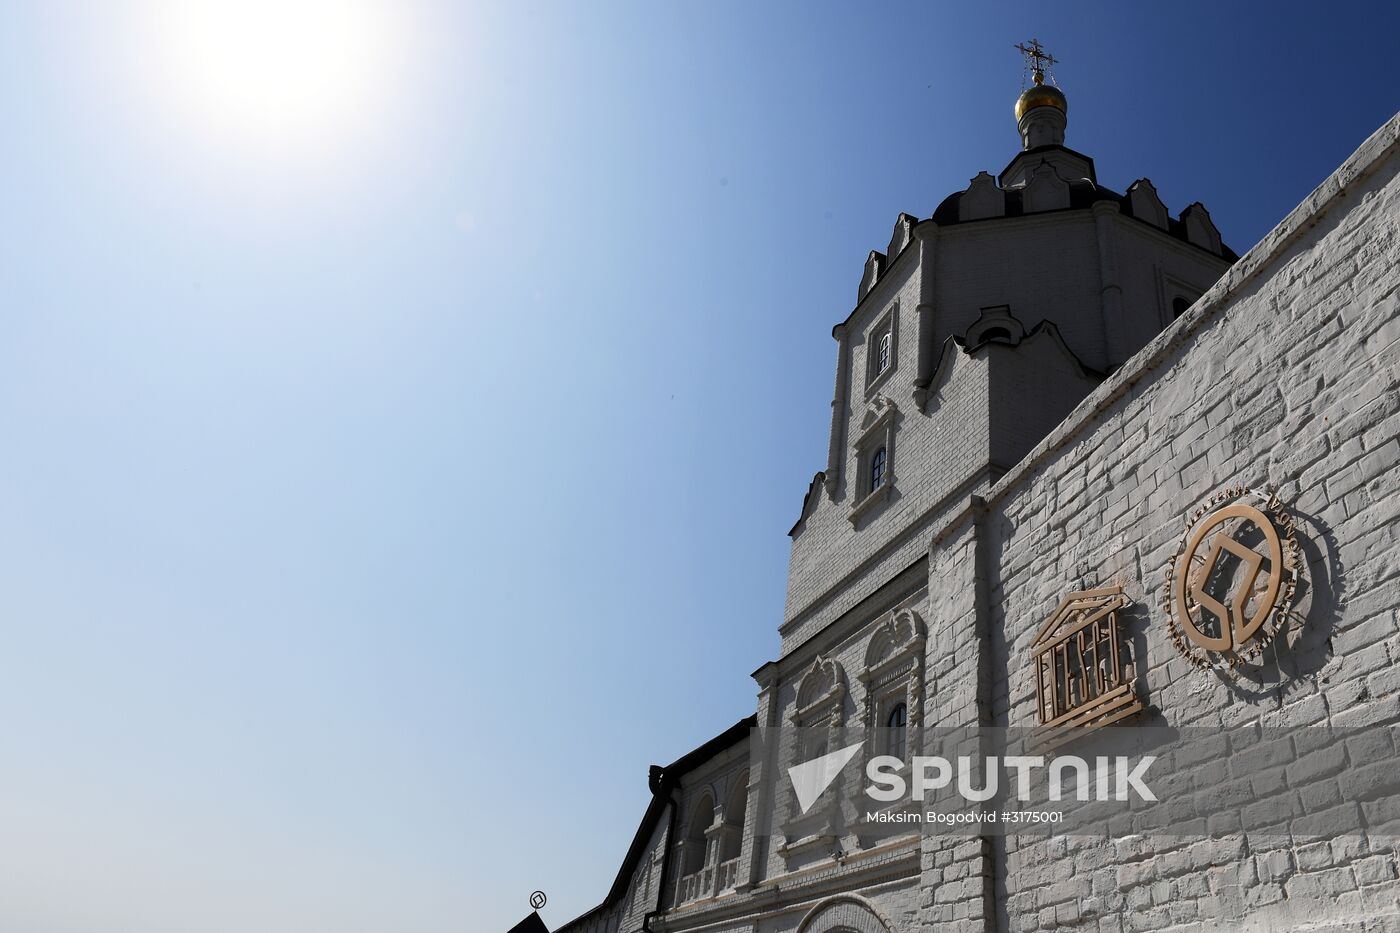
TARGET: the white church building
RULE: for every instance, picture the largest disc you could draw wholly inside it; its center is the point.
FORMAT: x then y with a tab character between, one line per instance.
1041	386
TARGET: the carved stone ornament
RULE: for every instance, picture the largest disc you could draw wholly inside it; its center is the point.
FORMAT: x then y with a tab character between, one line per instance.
822	687
880	408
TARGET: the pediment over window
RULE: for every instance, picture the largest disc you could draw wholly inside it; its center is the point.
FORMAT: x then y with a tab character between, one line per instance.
897	636
880	408
874	455
824	683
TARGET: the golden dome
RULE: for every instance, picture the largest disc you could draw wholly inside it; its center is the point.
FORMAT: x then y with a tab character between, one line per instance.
1040	95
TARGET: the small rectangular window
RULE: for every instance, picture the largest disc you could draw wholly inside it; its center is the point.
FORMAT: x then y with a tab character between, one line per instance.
881	351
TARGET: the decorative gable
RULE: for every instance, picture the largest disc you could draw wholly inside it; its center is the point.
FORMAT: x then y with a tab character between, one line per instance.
982	199
874	268
1146	205
1046	190
1200	229
903	233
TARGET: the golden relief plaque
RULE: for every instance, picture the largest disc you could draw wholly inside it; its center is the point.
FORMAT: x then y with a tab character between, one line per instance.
1083	671
1233	579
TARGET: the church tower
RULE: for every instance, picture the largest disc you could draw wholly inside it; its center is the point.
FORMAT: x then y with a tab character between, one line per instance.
1010	443
974	334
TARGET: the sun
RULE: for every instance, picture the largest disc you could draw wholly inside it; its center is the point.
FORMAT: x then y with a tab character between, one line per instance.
284	71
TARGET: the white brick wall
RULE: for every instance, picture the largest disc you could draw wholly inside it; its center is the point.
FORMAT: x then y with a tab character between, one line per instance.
1286	374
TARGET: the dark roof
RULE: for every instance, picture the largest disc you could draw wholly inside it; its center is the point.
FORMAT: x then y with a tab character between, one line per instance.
1050	147
662	780
531	924
1082	193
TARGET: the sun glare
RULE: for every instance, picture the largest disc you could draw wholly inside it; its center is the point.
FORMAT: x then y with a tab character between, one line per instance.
288	72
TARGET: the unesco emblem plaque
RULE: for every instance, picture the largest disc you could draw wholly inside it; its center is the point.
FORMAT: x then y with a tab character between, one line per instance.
1232	581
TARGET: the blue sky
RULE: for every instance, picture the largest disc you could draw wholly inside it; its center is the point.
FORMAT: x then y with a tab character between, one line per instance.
388	482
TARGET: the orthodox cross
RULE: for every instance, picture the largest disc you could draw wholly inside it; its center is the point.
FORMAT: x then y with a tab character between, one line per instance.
1036	58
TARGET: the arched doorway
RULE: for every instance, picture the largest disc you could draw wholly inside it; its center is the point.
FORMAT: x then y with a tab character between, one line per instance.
845	913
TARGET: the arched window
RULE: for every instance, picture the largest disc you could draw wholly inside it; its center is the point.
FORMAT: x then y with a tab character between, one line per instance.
883	354
693	845
733	834
877	469
996	333
1179	306
895	723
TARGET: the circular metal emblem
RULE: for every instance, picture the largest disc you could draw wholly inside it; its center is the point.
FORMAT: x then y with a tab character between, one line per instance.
1232	581
537	900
